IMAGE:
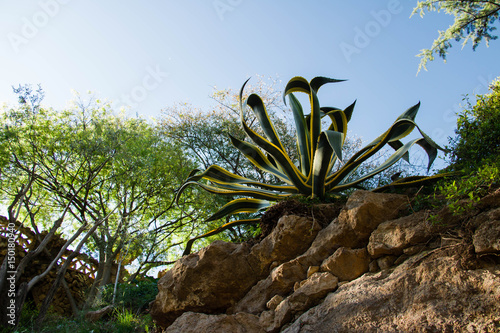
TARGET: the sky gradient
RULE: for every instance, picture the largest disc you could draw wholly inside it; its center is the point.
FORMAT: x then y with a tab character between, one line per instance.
153	54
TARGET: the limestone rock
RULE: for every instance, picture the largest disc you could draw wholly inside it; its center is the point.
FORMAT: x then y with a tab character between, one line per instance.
208	281
291	237
386	261
392	237
314	289
280	281
310	293
274	302
218	276
424	294
486	238
311	270
365	210
94	316
335	235
191	322
347	264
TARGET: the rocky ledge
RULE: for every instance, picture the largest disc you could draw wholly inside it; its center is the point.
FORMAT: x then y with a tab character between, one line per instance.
372	269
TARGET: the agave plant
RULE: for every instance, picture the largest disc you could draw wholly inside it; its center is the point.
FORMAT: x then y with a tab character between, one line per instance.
320	170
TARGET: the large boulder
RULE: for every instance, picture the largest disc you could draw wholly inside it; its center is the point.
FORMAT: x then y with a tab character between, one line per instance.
279	282
486	238
291	237
392	237
215	278
208	281
315	288
365	210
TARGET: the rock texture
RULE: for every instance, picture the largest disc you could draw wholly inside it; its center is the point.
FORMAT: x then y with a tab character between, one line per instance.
370	270
215	278
422	295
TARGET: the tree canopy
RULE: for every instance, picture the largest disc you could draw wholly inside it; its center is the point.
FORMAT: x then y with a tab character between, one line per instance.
474	21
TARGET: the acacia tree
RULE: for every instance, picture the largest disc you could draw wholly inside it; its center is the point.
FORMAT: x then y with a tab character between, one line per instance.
107	181
29	167
474	21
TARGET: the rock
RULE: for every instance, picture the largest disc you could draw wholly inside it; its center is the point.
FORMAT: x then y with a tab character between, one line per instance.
491	200
486	238
94	316
335	235
392	237
484	217
273	303
310	293
312	270
386	262
347	264
424	294
280	281
208	281
373	266
418	281
291	237
191	322
415	249
365	210
214	279
266	320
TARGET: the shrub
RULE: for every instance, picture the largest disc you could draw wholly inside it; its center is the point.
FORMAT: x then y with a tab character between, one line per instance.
135	295
478	132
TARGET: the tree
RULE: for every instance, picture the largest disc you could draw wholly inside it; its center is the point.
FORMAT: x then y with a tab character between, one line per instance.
474	20
106	181
26	174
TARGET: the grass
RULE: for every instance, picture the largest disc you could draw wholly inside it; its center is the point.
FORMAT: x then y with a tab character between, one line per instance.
121	320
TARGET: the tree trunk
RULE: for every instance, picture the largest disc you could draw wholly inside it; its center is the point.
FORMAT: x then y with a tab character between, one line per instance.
60	276
72	302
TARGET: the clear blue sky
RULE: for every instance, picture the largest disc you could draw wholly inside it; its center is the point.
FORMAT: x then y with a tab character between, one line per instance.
161	52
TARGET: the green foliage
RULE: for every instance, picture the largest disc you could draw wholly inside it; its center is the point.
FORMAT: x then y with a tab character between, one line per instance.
474	20
122	319
471	187
135	295
478	132
318	169
94	165
459	193
125	320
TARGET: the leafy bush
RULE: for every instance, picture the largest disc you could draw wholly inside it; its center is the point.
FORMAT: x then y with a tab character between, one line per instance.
135	295
319	169
478	132
472	186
